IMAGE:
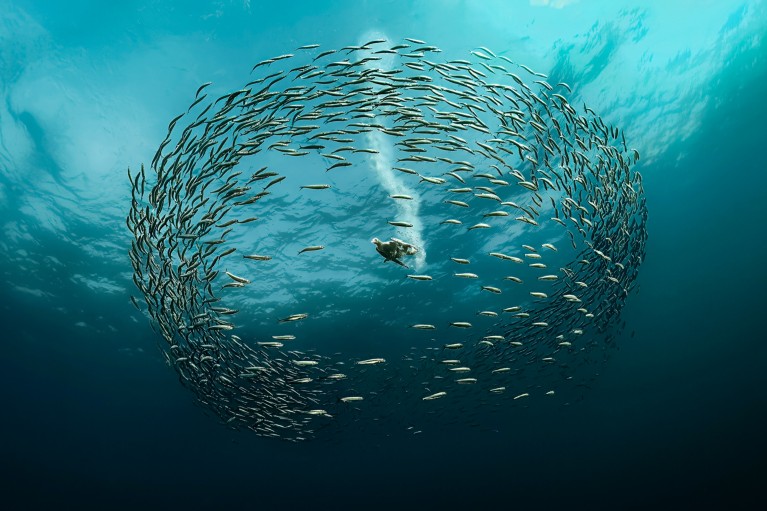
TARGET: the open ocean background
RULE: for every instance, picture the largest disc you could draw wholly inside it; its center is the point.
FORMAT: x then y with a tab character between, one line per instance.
91	416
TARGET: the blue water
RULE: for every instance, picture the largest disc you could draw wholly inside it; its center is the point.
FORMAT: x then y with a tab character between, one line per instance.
92	416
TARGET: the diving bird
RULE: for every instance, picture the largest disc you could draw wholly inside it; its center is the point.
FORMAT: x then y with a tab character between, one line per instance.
394	249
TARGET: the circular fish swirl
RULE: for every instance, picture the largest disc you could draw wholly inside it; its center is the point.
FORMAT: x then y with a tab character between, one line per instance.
522	212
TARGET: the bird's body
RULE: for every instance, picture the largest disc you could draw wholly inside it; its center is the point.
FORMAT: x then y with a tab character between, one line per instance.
394	249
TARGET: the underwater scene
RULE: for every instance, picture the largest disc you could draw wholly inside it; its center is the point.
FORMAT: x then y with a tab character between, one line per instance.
383	254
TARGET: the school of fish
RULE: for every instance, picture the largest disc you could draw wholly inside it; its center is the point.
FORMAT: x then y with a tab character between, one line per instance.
538	199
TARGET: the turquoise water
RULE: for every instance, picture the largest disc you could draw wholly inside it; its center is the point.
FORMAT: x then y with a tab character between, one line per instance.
673	418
